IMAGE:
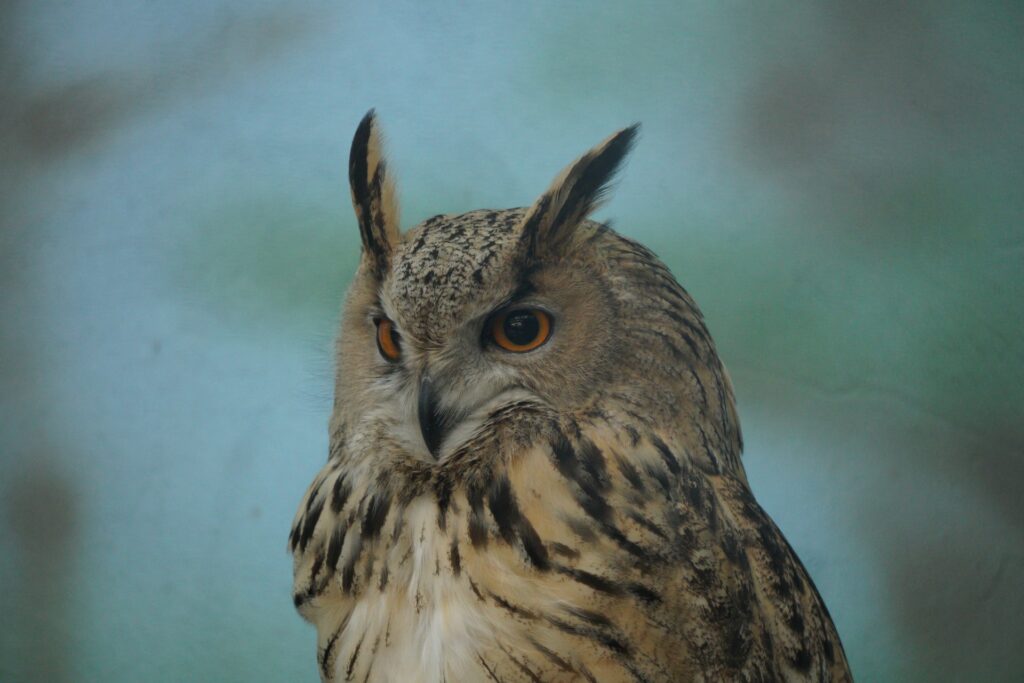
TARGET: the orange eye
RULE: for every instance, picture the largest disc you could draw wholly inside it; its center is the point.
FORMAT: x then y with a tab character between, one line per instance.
521	329
388	341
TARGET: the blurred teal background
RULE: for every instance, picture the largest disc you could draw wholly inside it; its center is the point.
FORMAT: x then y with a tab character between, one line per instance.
839	185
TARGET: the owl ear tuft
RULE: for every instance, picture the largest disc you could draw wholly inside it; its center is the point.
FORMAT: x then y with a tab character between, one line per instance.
575	193
373	195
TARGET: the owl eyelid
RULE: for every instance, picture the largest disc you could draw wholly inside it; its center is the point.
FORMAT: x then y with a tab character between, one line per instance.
513	304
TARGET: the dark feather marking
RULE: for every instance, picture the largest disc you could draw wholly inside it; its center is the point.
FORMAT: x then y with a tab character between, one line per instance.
605	585
638	676
692	344
593	173
369	669
490	673
586	467
599	583
587	182
735	616
647	524
454	557
787	571
735	553
384	575
534	547
565	456
711	510
708	451
589	616
512	524
830	655
340	492
795	621
644	593
666	339
661	477
318	563
600	635
366	192
696	328
802	659
357	163
634	435
315	588
660	286
476	591
564	550
348	572
563	664
631	547
522	666
503	507
355	656
326	656
589	488
630	472
671	461
728	427
669	310
334	546
511	608
531	228
553	657
776	556
525	288
314	493
443	494
581	528
700	387
594	465
376	196
376	513
348	575
311	519
694	490
399	525
477	523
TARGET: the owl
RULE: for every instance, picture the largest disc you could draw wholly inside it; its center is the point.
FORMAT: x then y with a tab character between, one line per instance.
534	468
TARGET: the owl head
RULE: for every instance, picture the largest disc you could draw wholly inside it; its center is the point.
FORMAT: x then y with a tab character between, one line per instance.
467	314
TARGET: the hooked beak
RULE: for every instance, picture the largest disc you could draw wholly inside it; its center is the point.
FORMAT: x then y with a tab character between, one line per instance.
433	424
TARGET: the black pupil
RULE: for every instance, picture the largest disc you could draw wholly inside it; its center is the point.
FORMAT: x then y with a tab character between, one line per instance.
521	327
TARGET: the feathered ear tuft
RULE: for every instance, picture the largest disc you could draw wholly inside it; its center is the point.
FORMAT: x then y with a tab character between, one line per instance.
373	195
575	193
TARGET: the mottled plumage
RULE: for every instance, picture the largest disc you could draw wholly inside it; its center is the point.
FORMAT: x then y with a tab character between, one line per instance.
581	512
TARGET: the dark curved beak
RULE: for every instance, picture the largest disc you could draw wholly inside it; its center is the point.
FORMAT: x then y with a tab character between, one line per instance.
433	423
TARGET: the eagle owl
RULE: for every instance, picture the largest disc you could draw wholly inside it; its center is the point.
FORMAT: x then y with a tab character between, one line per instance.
534	469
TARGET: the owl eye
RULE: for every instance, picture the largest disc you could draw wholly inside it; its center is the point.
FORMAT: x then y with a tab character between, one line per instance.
388	341
520	329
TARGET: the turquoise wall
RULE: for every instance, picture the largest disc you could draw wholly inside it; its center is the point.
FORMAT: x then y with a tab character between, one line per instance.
837	184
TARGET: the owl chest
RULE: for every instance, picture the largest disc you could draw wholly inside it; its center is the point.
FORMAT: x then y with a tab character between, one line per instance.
423	622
